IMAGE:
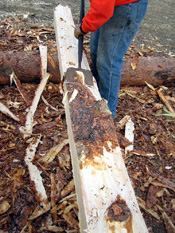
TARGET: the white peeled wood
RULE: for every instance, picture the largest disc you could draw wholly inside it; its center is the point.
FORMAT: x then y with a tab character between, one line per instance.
4	109
66	42
105	177
43	58
129	134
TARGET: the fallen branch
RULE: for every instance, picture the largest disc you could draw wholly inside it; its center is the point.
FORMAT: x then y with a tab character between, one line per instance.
7	112
170	227
52	229
71	220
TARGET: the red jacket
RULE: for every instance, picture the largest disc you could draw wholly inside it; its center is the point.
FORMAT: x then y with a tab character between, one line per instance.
100	12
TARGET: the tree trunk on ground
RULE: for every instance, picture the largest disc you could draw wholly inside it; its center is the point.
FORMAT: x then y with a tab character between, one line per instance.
26	66
154	70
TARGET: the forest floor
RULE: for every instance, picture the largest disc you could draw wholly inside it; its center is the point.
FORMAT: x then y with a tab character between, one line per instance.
150	165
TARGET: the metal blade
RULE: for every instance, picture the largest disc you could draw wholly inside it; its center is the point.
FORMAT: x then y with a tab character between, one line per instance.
71	74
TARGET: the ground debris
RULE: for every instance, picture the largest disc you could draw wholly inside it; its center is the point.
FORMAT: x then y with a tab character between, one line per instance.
149	165
22	207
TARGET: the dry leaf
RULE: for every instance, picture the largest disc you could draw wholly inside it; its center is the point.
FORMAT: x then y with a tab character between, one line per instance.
4	206
151	196
50	59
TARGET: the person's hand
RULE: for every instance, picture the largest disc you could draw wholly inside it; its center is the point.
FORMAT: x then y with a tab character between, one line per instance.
77	31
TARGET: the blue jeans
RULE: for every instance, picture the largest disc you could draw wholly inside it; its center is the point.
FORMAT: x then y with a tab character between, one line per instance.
108	46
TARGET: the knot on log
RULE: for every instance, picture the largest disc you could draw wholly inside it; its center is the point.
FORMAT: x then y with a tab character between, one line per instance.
119	211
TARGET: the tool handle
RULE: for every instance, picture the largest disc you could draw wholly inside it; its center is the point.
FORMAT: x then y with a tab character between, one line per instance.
80	39
82	11
80	50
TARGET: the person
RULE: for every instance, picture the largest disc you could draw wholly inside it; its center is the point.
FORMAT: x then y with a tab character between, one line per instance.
113	25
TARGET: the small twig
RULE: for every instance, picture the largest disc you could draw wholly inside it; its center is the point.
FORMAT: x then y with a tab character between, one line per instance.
46	103
143	153
20	88
168	223
166	102
150	86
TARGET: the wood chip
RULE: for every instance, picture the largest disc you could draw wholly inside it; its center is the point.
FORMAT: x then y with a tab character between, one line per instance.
71	220
20	88
121	124
39	211
165	100
7	112
69	188
170	227
129	134
52	153
150	211
35	175
164	181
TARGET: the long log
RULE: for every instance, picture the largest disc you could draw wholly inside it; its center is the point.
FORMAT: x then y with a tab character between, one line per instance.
26	66
156	71
105	196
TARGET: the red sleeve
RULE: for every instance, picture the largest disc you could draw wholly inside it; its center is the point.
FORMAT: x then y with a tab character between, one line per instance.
100	12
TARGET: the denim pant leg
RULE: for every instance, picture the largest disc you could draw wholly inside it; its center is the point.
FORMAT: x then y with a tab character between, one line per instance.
113	40
93	53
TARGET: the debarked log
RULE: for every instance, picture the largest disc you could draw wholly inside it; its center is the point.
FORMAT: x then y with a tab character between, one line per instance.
156	71
105	196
